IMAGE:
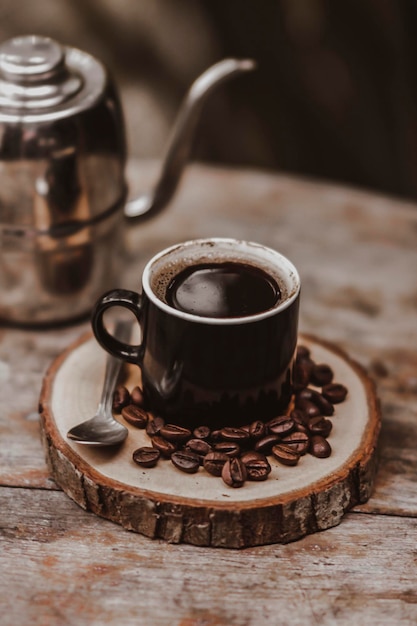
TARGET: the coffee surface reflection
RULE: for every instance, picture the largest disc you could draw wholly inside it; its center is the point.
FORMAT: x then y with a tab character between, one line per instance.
220	290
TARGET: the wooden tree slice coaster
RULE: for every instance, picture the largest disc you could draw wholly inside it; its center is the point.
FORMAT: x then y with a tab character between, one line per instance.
200	509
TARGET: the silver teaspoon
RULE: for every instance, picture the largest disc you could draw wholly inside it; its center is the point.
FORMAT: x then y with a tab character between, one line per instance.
103	429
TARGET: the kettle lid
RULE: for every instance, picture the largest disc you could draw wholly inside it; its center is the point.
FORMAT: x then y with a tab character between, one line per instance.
41	80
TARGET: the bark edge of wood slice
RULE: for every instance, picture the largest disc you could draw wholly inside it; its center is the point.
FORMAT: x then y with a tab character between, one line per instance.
279	510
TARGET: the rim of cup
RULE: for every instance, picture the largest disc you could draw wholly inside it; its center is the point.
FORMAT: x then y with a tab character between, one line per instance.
210	249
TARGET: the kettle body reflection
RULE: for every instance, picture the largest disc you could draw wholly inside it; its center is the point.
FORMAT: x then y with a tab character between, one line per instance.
63	192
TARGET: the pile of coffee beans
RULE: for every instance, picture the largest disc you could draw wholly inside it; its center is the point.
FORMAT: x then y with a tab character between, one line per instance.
240	454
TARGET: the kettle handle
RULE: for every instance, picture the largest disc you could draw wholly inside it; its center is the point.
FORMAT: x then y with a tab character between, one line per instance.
180	142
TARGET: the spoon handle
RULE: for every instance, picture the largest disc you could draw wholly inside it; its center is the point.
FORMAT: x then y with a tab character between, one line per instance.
113	366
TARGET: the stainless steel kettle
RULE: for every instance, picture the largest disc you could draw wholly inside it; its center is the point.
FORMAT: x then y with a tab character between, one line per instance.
63	193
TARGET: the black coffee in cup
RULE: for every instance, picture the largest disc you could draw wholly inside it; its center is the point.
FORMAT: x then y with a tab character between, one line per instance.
221	290
219	332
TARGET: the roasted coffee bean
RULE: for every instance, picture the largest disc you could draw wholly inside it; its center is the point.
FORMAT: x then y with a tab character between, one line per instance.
166	448
257	429
302	372
307	407
234	473
302	352
281	425
154	425
137	396
198	446
326	407
300	420
214	462
320	447
265	444
304	394
201	432
334	392
216	435
257	465
301	428
146	456
285	454
250	455
258	471
234	434
299	442
174	433
135	415
320	426
230	448
121	398
321	375
298	417
186	461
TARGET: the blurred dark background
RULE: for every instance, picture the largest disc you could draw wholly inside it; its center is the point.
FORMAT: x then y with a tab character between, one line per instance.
334	95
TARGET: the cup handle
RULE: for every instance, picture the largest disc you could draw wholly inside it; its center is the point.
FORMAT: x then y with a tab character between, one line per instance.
129	300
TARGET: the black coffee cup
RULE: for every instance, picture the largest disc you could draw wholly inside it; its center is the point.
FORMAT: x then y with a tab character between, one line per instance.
218	360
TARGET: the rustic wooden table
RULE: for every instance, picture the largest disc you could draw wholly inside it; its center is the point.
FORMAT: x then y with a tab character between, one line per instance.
357	256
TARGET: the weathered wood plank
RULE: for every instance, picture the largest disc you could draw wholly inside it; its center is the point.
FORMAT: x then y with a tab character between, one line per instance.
61	565
356	253
24	358
395	483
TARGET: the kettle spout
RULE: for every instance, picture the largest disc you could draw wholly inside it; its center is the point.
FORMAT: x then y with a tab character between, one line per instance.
181	139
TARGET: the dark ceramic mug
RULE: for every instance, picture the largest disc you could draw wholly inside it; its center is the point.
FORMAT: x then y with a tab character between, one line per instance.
198	368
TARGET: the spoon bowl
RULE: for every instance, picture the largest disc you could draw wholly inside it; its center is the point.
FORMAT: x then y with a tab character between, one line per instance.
102	429
99	431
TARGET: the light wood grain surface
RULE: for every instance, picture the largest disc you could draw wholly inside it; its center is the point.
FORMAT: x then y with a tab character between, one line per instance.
357	254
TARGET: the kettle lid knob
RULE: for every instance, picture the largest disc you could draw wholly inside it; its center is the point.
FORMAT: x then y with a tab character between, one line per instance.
30	57
34	73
